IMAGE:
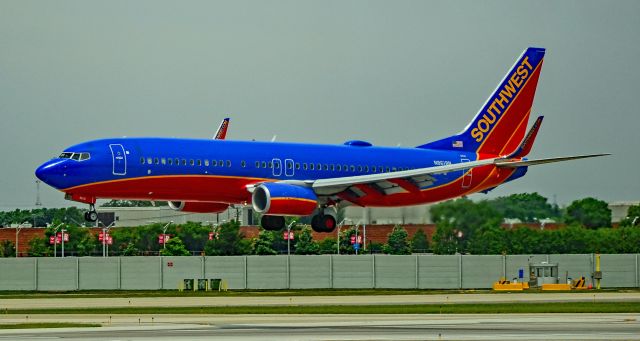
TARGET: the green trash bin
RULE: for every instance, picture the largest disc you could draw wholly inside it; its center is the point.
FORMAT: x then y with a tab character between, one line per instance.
202	284
188	284
214	283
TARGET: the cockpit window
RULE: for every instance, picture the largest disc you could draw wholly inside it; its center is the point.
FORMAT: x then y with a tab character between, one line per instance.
75	156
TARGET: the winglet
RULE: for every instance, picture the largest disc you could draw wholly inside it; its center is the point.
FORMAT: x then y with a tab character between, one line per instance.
525	147
222	130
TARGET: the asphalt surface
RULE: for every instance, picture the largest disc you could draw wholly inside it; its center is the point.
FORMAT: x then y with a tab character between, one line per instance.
214	301
336	327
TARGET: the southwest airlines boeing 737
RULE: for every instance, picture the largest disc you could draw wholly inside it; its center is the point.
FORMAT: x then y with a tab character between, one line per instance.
295	179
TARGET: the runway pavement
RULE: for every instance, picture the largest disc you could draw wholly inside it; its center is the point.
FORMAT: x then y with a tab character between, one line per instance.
315	300
337	327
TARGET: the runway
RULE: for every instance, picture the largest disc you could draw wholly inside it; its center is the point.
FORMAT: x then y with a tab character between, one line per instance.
217	301
337	327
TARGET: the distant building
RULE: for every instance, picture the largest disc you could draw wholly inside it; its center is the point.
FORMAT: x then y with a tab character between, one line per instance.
619	209
135	216
389	215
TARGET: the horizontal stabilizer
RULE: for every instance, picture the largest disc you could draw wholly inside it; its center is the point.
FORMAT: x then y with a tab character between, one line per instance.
525	147
524	163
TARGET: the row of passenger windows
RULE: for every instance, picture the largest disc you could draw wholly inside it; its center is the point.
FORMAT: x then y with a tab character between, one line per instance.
270	164
184	162
332	167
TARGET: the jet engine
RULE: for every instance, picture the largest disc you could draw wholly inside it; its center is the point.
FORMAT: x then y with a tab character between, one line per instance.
284	199
198	207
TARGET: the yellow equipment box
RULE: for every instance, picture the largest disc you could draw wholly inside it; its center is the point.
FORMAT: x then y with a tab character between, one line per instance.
549	286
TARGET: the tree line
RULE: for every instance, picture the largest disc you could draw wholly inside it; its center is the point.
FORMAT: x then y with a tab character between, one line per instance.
462	226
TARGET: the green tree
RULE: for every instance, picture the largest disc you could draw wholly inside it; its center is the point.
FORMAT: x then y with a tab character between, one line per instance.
230	241
445	239
528	207
305	245
38	248
488	240
194	235
7	249
397	243
419	242
327	246
175	247
263	245
588	212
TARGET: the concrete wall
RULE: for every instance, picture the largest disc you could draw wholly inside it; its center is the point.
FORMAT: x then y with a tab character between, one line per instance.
302	272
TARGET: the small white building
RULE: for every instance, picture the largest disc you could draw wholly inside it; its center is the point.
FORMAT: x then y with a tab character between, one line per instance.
620	209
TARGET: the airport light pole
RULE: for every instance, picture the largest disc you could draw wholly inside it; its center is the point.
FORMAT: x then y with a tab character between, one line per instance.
164	233
18	229
62	237
289	237
339	226
105	234
55	240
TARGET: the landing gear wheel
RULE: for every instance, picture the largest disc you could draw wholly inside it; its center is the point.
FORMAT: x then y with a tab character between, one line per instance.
272	222
92	215
323	223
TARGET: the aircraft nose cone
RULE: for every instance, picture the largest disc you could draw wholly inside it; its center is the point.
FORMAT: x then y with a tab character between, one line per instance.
41	173
49	172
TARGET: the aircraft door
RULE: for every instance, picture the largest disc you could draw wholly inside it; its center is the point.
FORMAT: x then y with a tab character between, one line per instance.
277	167
466	175
288	167
119	159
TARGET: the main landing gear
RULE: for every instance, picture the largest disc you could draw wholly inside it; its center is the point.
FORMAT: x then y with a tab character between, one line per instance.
92	215
323	223
272	222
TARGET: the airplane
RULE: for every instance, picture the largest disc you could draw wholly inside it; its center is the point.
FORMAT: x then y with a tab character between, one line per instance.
297	179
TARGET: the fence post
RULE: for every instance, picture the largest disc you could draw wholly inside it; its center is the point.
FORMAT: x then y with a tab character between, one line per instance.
202	270
460	271
288	272
161	273
35	273
245	272
120	272
504	266
77	273
637	278
417	272
331	271
373	262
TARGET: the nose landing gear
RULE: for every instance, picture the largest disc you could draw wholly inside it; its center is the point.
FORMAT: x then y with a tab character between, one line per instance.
92	215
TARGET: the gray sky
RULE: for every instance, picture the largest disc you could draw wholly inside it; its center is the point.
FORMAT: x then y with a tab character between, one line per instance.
319	71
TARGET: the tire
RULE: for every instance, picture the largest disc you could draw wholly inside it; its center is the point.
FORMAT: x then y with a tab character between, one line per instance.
328	223
92	215
272	222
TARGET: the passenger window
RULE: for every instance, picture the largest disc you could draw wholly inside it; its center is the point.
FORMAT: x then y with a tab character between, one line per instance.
373	169
264	164
304	166
311	166
220	163
142	160
206	163
191	162
318	166
243	163
270	165
257	164
297	165
199	163
353	168
333	167
394	169
339	168
276	165
149	160
345	168
170	161
214	163
184	162
156	161
228	163
388	169
289	165
360	169
177	162
163	161
326	167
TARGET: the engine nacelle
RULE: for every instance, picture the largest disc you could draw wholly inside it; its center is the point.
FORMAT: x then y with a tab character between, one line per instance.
284	199
198	207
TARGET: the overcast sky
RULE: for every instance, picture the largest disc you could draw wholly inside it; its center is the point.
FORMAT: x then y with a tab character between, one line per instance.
389	72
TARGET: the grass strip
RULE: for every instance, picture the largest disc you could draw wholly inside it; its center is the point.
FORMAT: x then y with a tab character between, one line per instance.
260	293
492	308
47	325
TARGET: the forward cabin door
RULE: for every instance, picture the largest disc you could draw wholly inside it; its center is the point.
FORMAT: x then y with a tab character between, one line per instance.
119	159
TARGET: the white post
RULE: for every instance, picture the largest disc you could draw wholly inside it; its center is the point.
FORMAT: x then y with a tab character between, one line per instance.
17	233
63	232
